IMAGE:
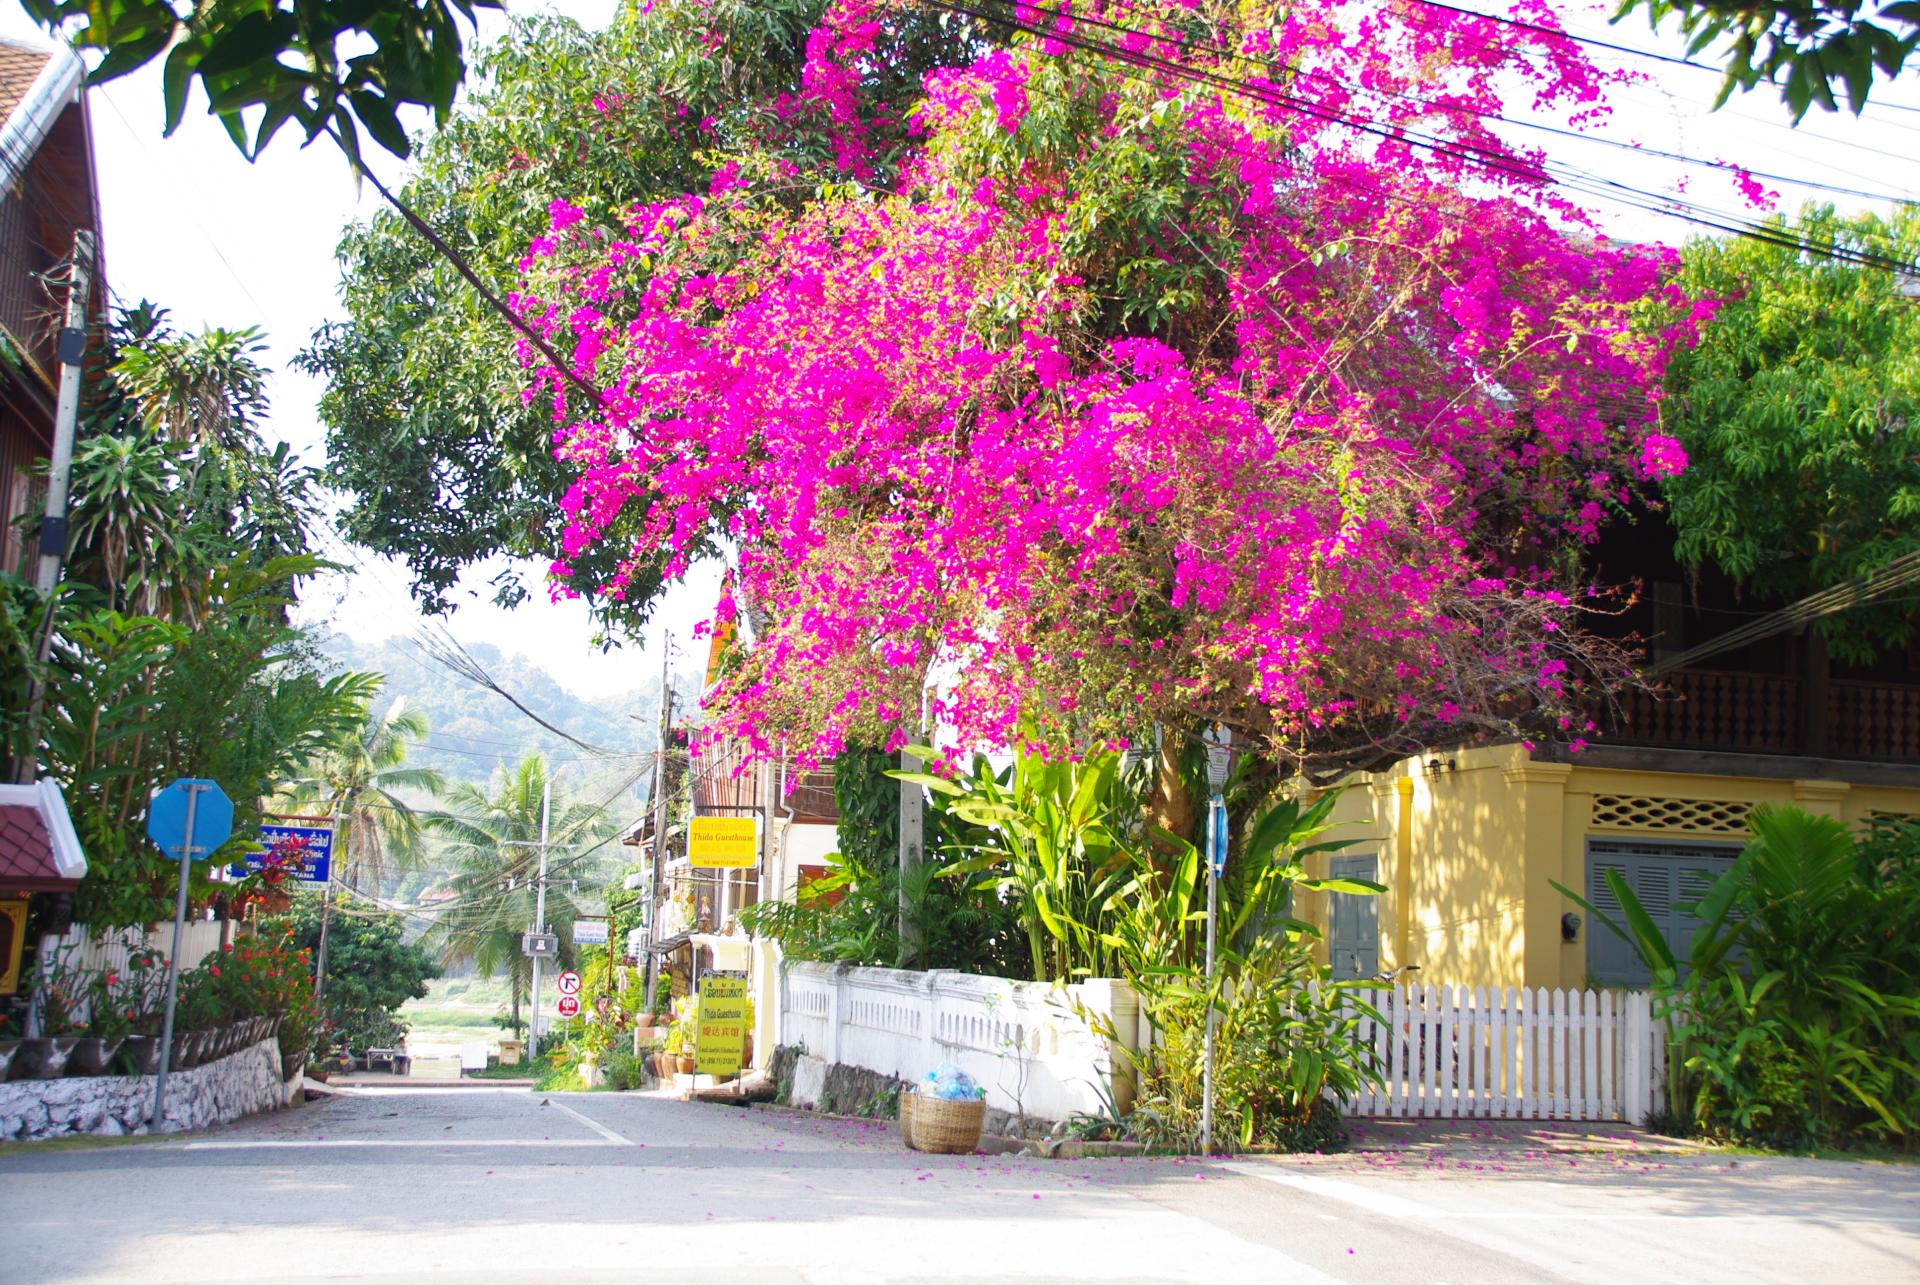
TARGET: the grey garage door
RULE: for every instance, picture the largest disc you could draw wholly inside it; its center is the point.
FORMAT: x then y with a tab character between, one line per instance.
1664	876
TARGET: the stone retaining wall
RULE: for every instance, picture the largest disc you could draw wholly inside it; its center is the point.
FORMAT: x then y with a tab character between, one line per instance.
239	1084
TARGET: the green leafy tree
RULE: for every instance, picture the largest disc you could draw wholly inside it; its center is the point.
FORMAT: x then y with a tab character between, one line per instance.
1800	412
359	780
327	66
371	969
492	840
446	464
1812	50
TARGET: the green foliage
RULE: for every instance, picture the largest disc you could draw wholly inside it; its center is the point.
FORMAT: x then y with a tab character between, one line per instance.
492	841
358	780
1800	413
1813	50
371	970
327	66
1794	1017
1049	842
445	464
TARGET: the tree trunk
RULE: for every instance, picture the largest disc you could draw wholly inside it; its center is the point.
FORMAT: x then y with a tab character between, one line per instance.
1170	805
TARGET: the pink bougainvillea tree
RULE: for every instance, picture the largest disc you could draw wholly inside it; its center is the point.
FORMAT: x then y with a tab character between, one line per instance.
1259	379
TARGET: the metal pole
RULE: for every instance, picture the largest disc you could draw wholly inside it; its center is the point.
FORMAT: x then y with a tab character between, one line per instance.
173	963
540	915
659	823
1213	908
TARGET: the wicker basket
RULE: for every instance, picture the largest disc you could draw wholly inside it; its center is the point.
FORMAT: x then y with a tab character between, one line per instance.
944	1127
907	1098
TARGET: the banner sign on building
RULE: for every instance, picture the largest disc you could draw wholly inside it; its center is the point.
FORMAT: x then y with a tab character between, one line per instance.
723	843
720	1041
305	850
589	932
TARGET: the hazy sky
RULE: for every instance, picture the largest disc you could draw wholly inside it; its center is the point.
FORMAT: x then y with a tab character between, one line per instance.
191	225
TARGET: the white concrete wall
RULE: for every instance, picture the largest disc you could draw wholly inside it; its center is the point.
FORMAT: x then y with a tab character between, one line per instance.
239	1084
1024	1042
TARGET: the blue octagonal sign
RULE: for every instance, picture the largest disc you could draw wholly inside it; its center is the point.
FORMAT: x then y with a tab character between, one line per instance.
212	818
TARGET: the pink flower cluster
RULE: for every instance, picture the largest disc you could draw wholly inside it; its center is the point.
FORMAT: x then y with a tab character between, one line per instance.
1312	486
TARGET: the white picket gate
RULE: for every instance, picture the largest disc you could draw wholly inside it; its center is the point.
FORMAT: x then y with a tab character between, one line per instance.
1501	1053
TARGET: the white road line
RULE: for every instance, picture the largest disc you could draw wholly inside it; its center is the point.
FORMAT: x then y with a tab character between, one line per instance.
595	1125
425	1144
1377	1202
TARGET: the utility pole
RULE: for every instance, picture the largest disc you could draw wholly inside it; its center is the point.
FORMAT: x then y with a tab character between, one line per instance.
73	355
326	913
912	848
659	819
540	916
72	351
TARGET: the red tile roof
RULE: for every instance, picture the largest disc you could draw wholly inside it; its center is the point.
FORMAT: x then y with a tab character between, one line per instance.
38	849
20	66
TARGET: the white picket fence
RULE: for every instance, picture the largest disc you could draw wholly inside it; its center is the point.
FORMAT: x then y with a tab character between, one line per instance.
81	947
1501	1053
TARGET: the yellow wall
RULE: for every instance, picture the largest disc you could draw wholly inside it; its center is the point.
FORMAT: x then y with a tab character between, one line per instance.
1469	854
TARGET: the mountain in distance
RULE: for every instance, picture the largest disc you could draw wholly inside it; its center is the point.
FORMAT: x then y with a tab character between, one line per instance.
472	732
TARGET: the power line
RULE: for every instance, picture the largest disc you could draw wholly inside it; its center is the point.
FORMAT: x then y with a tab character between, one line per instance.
1481	158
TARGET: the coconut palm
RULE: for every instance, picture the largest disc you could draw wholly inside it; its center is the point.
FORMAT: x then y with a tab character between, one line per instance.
377	832
493	843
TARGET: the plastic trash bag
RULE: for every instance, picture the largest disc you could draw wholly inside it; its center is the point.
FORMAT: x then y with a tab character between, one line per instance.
950	1082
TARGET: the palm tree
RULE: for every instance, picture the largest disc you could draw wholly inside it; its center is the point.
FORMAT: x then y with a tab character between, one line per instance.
377	833
494	843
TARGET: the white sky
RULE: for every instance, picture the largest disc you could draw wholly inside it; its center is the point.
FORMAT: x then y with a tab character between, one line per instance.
192	226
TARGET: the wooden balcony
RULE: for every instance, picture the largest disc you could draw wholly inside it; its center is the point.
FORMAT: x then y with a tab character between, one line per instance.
1705	709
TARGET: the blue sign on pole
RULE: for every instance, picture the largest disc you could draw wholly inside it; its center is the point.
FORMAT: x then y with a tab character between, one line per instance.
212	814
304	851
1217	834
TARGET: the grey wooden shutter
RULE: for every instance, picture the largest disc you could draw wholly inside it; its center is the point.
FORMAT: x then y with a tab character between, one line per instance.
1667	878
1354	945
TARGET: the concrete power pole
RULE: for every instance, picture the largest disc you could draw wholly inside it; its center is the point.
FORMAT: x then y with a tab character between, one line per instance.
73	355
659	819
540	916
72	351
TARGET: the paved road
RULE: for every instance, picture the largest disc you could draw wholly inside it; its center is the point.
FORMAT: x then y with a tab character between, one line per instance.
483	1185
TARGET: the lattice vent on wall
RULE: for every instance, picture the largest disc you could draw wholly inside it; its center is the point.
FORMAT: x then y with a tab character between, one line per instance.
1644	812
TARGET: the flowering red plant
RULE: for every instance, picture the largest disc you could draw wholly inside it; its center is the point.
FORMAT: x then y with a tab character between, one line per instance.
1134	401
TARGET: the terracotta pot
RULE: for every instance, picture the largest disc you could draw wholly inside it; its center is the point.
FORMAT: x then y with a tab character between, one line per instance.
685	1064
91	1056
37	1059
144	1052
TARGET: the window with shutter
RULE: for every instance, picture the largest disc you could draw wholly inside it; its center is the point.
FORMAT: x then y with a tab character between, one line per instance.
1668	878
1353	945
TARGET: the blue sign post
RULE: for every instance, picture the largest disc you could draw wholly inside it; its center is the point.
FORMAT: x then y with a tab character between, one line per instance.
189	820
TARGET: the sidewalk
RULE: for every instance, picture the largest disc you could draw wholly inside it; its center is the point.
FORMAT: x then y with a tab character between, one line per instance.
1502	1137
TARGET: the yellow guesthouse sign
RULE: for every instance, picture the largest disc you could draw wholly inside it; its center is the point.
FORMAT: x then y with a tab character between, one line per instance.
722	843
720	1039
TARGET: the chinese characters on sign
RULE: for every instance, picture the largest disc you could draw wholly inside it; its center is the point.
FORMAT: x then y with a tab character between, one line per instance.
721	1040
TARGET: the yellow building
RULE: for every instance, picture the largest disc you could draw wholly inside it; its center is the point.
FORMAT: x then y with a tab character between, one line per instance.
1469	844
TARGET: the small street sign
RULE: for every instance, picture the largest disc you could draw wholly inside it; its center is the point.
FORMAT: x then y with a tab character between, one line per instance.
720	1041
307	851
544	945
211	818
589	932
722	843
569	983
569	1006
1217	835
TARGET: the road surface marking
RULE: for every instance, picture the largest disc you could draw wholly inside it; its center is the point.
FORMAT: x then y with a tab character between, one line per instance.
288	1144
1377	1202
595	1125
